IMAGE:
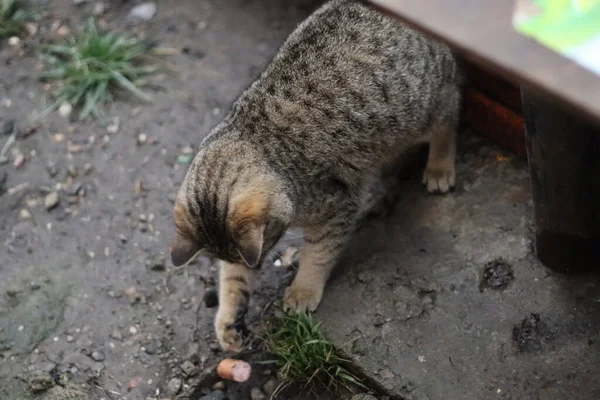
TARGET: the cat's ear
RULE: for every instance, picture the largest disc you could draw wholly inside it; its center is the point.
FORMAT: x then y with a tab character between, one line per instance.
185	245
183	249
247	221
250	245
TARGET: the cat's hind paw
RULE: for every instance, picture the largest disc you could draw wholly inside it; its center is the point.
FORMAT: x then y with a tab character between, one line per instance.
439	180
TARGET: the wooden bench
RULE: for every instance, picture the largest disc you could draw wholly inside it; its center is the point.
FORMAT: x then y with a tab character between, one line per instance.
560	106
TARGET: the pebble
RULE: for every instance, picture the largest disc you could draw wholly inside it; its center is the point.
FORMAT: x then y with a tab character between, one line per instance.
113	127
116	334
184	159
40	381
214	347
65	110
143	12
216	395
132	294
98	9
19	160
218	386
24	214
14	41
51	200
98	356
156	262
133	330
70	339
152	347
142	138
173	386
363	396
189	368
270	386
257	394
63	31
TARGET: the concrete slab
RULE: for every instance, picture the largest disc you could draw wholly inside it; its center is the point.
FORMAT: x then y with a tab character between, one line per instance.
443	299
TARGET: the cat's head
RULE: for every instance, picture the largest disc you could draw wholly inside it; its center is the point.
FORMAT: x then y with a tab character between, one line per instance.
235	215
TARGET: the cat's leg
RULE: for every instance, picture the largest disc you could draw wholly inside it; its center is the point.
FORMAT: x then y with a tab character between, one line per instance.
235	283
322	247
440	173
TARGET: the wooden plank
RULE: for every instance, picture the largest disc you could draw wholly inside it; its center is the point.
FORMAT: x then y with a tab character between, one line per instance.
494	120
482	30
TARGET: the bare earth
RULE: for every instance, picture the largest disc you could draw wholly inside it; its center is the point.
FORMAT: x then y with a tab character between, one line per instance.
441	299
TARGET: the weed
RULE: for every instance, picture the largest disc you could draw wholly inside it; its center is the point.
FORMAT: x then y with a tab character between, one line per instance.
305	355
12	17
91	66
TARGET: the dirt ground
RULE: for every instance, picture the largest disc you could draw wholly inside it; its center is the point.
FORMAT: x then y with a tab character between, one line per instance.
88	296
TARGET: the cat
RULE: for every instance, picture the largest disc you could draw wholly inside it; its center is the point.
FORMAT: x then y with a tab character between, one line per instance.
345	95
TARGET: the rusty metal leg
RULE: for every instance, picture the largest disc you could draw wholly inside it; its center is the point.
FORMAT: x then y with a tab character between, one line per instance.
564	163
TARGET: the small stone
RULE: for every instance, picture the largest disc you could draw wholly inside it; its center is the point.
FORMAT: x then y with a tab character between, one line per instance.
257	394
132	294
139	187
184	159
63	31
31	28
214	347
51	200
188	368
152	347
13	291
156	262
270	386
216	395
98	356
24	214
218	386
173	386
19	160
40	381
116	334
386	373
363	396
14	41
142	138
133	330
65	110
70	339
113	127
122	238
99	9
211	298
143	12
133	382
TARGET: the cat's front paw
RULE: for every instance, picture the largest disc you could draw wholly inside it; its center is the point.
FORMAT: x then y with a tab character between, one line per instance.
302	298
440	179
230	339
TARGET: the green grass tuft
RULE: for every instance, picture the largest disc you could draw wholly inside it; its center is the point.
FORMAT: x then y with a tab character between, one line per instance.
92	66
12	17
305	355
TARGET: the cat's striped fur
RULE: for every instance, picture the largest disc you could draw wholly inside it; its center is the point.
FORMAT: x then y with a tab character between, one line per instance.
345	95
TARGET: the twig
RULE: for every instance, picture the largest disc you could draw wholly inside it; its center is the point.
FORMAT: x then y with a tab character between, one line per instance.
18	188
8	143
108	391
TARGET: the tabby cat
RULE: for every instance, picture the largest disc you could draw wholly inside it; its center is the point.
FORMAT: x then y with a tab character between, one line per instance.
347	92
